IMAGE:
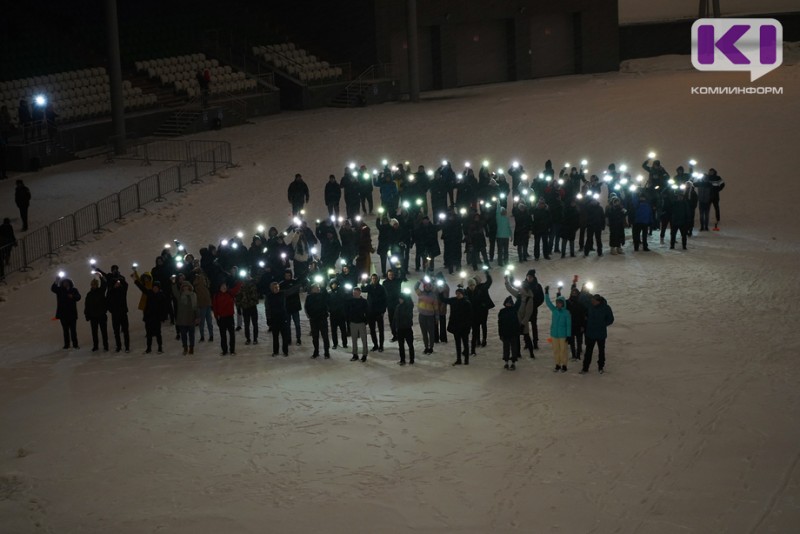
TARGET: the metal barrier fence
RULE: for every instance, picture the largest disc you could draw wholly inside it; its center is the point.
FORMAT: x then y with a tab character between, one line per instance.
200	158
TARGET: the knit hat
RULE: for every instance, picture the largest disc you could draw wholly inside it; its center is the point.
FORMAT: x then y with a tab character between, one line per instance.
472	282
509	301
532	272
460	289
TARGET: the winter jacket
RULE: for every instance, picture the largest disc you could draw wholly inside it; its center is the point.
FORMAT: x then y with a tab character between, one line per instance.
186	305
117	296
248	296
275	304
578	312
356	310
336	302
393	289
22	196
570	223
155	308
503	224
531	297
598	319
595	216
561	321
717	185
94	305
542	220
201	288
460	321
679	212
376	298
333	193
507	323
427	301
480	297
317	306
66	300
291	288
223	304
404	315
298	192
644	213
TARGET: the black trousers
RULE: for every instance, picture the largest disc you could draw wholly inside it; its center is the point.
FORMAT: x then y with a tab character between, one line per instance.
296	207
281	335
639	236
339	325
541	239
390	309
376	323
405	336
70	329
250	316
319	327
440	331
102	325
534	322
152	330
601	356
479	327
333	211
23	214
119	323
576	344
511	348
673	234
571	243
227	330
462	345
593	233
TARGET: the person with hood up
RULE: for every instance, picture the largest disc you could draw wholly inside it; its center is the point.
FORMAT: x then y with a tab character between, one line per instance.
595	224
598	318
509	331
560	328
95	311
67	297
186	314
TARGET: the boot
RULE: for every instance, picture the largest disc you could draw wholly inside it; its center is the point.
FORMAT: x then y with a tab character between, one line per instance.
191	350
185	350
619	250
613	251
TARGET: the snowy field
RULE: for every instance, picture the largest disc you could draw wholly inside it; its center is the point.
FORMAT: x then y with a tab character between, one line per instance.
693	428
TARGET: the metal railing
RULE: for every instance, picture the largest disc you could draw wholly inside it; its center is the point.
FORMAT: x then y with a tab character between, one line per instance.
196	159
355	89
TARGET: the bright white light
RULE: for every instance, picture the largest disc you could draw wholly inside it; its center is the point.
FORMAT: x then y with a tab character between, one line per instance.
651	155
384	162
671	181
313	250
516	199
61	274
352	166
442	216
617	187
692	162
92	261
623	168
439	283
567	165
485	267
239	234
430	174
364	276
410	177
624	181
419	202
406	291
167	245
682	187
179	265
607	178
589	286
639	178
348	287
283	255
502	195
532	198
515	164
584	162
374	172
524	191
331	272
596	196
178	258
426	279
560	283
234	245
261	263
341	219
242	273
462	274
296	221
135	265
467	164
354	174
524	176
486	163
632	189
40	100
393	259
224	243
381	210
444	162
406	204
343	262
358	218
560	181
318	278
517	283
463	211
541	175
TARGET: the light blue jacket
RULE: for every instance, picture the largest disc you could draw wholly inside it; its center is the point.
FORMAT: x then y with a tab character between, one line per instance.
561	323
503	224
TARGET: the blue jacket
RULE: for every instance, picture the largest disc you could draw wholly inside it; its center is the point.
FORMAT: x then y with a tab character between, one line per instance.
503	224
644	213
561	322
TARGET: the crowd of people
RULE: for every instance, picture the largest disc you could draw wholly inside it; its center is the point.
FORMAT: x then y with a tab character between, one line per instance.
328	274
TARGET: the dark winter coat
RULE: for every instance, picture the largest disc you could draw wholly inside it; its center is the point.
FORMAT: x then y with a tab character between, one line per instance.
542	220
275	304
376	298
393	289
480	298
291	288
337	301
644	213
333	193
356	310
426	240
595	217
598	319
460	321
679	212
298	192
570	223
578	312
317	306
248	296
117	297
155	308
404	315
22	196
507	323
94	305
66	300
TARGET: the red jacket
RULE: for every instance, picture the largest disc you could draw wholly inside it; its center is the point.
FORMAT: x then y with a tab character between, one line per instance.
224	304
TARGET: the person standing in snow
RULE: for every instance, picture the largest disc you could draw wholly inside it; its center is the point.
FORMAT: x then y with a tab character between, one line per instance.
460	323
531	294
317	313
717	185
223	304
598	318
298	194
403	321
560	328
95	310
357	310
333	194
154	306
67	297
509	330
22	198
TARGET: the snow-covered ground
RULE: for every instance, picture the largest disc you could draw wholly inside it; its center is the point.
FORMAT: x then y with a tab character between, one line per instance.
693	428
